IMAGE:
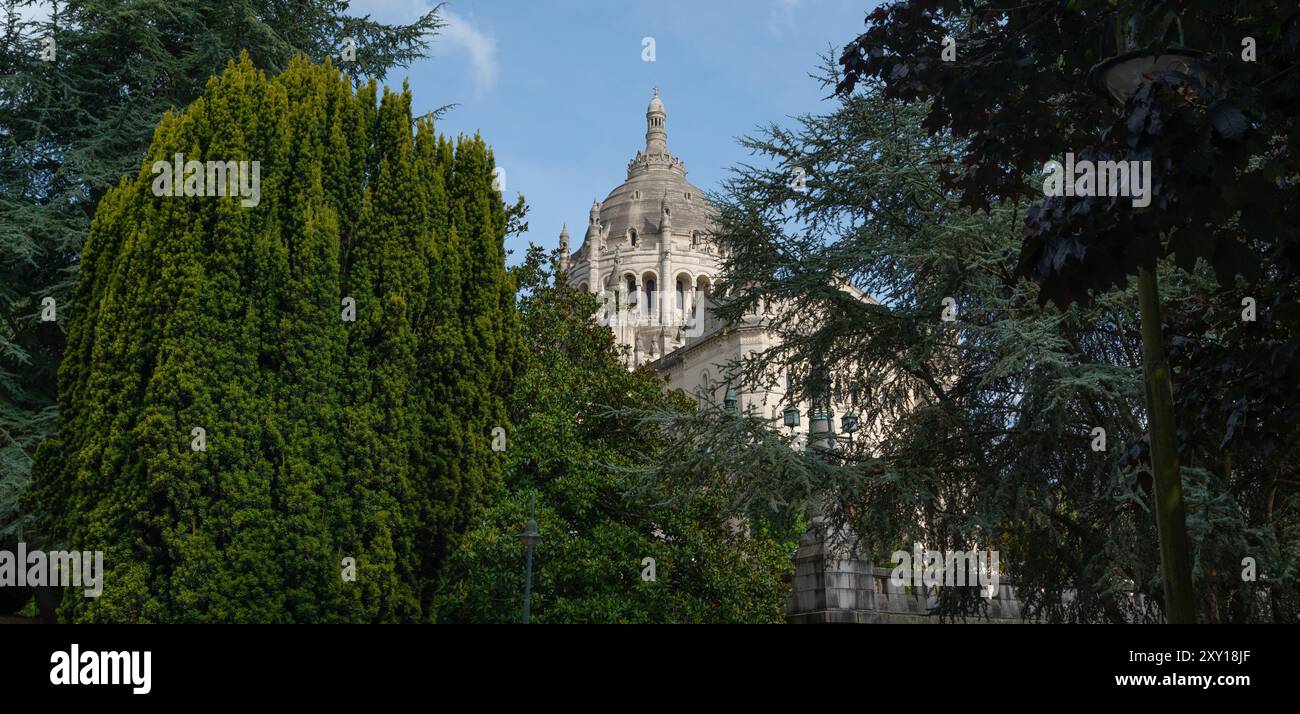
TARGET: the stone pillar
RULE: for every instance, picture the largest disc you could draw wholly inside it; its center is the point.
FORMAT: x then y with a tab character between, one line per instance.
667	289
641	310
697	306
831	584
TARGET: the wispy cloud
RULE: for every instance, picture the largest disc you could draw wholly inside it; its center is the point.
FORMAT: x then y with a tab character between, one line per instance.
782	16
481	47
459	34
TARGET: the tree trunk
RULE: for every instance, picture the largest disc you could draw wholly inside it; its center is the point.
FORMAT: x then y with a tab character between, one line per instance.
1175	559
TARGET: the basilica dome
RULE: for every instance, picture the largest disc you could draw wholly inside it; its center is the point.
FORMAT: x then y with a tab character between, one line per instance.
655	177
635	206
651	241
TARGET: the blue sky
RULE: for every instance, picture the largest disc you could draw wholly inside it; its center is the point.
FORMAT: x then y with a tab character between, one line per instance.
558	88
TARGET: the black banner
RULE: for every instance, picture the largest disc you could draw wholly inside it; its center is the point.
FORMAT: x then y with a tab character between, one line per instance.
944	664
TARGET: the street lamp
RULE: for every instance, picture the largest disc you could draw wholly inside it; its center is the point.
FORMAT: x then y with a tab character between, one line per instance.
792	418
1119	77
849	424
730	400
531	536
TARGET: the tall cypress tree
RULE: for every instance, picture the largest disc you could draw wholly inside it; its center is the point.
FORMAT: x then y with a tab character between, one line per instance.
333	438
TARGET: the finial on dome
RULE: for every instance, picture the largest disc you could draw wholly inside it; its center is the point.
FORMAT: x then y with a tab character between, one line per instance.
656	135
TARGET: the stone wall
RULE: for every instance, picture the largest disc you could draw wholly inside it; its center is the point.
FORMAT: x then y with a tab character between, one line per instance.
830	588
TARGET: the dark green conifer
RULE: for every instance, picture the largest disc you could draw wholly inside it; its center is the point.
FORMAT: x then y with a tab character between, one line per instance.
326	439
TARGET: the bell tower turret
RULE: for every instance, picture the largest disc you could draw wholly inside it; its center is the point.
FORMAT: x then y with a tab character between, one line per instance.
656	132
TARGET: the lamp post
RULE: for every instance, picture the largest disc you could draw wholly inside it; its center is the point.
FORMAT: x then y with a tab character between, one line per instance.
821	426
729	402
531	536
1118	79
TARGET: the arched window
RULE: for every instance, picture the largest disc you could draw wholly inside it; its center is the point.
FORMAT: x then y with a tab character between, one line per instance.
631	236
631	290
650	294
681	294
